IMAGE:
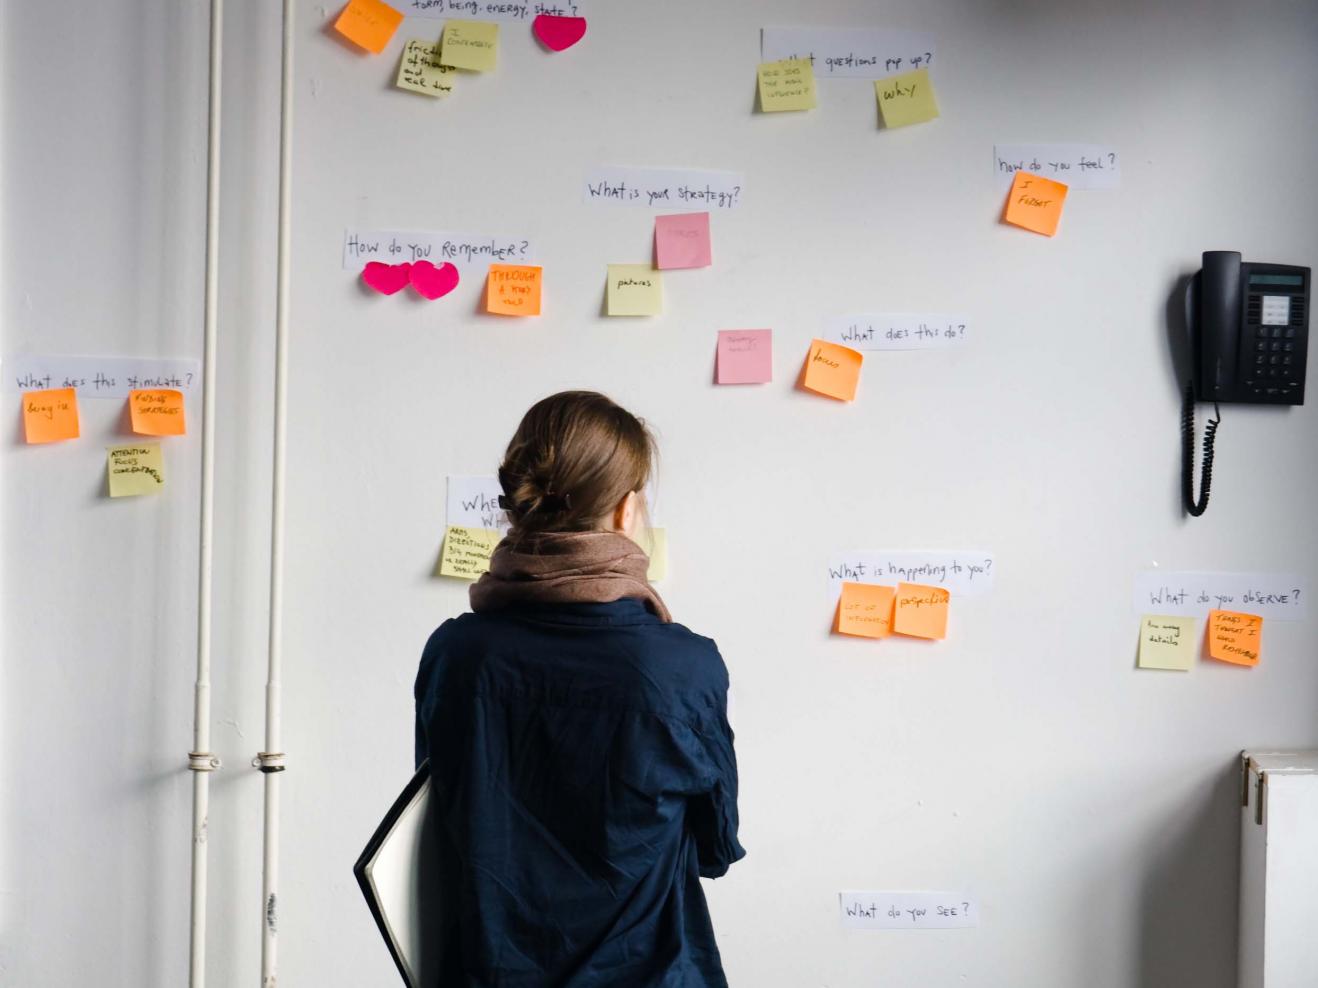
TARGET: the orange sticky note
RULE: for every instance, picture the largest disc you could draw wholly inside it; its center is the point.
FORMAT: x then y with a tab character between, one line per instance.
49	416
157	412
865	610
1235	637
921	611
1035	203
369	23
832	370
513	290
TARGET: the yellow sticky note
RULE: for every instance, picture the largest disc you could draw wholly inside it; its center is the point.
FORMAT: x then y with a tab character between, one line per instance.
421	71
1166	642
635	290
513	290
906	99
1035	203
655	544
49	416
1235	637
136	469
832	370
787	85
865	610
369	23
467	551
470	45
157	412
921	611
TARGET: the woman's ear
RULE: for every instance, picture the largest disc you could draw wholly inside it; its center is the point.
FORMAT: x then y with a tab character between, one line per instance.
625	514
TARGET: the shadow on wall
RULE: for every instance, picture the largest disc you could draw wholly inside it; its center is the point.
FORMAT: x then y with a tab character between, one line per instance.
1189	906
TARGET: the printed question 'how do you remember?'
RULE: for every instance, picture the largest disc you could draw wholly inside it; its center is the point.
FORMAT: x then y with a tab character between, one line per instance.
856	53
466	252
100	377
1275	596
964	574
491	10
1079	166
896	330
691	189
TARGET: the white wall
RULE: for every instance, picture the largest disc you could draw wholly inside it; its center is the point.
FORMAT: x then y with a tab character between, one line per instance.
1088	805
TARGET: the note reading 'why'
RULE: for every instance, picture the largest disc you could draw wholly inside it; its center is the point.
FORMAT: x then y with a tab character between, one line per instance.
906	99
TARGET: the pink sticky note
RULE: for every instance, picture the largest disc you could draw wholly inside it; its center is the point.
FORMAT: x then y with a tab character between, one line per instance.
682	241
745	356
558	33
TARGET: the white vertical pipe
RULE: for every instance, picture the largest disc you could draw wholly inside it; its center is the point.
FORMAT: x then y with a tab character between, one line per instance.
271	761
200	760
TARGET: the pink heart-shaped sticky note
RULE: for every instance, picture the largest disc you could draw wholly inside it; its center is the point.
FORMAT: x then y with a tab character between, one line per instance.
558	33
385	278
433	282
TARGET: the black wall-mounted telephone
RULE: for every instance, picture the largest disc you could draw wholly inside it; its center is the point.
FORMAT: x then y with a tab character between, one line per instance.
1249	332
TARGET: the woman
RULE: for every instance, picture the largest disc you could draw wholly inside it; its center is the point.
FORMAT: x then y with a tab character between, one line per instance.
580	751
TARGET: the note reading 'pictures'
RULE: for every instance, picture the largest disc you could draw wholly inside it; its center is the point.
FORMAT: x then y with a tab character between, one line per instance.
1035	203
634	290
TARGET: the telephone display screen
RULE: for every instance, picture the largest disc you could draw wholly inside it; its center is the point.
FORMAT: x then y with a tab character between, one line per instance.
1277	279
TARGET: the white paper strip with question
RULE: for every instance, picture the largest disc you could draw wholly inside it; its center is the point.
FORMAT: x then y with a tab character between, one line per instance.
466	252
473	502
908	910
859	53
101	377
896	330
1077	166
490	10
693	190
1272	596
965	574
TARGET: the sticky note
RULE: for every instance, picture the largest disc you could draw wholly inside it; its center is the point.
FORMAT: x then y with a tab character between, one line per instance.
787	85
421	71
865	610
1166	642
921	611
135	469
634	290
745	356
470	45
49	416
655	544
906	99
369	23
682	241
832	370
1035	203
467	551
157	412
1235	637
513	290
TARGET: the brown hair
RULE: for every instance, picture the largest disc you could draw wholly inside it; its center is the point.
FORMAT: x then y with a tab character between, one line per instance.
574	456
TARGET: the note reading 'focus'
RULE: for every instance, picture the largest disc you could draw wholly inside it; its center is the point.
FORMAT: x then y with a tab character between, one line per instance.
513	290
136	469
467	551
865	610
369	23
1035	203
1235	637
49	416
682	241
157	412
745	356
634	290
787	85
1166	642
921	611
832	370
906	99
421	71
470	45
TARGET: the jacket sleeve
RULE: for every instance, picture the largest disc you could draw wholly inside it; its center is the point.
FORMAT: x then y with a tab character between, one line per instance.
713	814
423	693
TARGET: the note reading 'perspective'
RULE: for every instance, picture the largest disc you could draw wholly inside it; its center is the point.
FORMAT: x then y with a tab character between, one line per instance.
921	611
634	290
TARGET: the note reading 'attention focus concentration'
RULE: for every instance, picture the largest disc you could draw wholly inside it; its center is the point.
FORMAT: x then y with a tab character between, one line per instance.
832	370
1166	642
135	469
1035	203
634	290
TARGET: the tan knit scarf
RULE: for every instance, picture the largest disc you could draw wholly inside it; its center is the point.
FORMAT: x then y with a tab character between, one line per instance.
565	568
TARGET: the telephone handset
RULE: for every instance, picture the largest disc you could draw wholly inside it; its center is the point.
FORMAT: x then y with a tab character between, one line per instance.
1249	331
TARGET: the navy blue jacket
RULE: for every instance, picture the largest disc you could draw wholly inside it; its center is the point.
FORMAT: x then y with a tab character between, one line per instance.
583	770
